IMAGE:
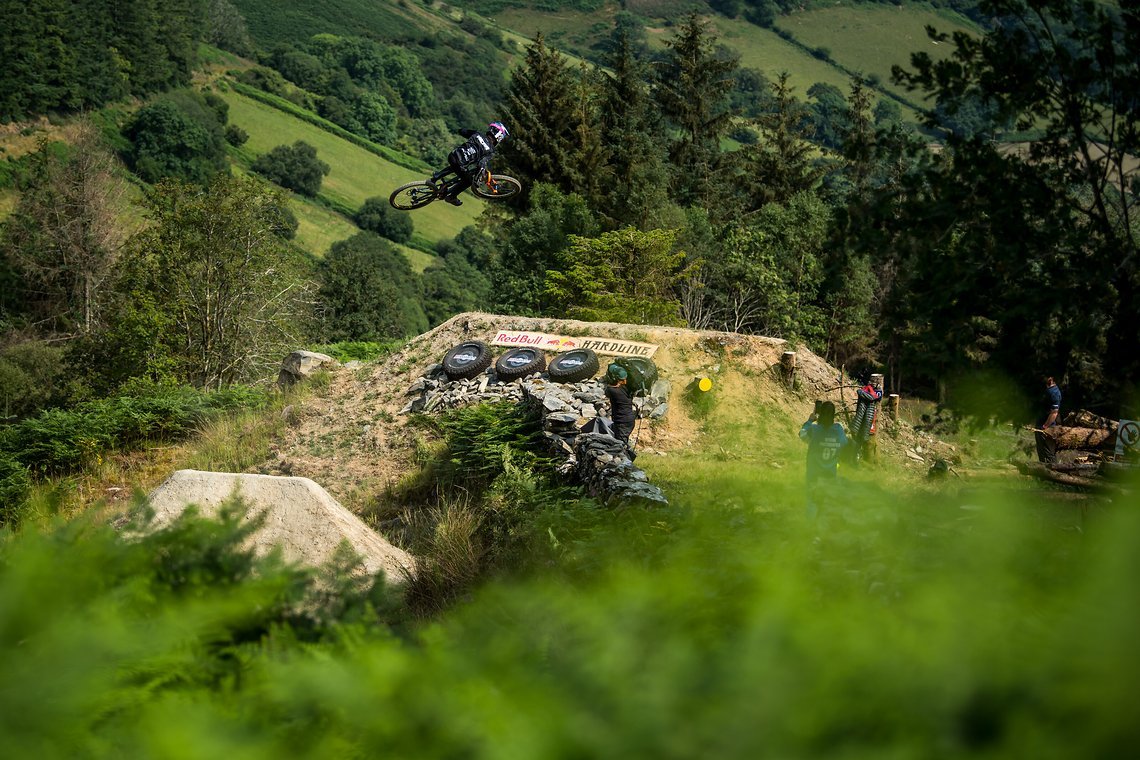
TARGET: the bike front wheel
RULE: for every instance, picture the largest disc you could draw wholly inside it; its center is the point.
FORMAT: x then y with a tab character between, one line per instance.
499	188
413	195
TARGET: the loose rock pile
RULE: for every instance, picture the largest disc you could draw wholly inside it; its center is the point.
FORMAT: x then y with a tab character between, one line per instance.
434	392
599	461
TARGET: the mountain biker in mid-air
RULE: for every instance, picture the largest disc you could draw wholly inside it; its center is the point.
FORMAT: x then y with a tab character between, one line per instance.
472	157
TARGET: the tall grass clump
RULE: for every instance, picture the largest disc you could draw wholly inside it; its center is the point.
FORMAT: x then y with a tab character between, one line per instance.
15	484
487	500
96	630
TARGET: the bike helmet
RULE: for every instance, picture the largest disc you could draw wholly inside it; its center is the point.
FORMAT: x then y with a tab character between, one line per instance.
497	131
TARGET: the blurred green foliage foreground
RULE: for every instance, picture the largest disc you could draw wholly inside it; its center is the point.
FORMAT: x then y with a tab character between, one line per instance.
895	629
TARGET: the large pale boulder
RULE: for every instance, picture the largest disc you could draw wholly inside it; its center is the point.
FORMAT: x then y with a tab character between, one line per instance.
300	517
300	364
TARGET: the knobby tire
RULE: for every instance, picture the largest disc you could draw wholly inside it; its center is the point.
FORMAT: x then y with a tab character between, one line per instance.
405	197
505	187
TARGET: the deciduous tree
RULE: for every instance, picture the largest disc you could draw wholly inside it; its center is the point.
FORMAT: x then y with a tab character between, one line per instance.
1070	68
369	291
63	238
295	167
209	292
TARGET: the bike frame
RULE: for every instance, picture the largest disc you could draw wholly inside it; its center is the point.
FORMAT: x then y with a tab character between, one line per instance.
448	178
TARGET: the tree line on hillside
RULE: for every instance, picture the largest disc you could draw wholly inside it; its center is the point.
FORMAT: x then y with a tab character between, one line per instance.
827	222
935	266
70	56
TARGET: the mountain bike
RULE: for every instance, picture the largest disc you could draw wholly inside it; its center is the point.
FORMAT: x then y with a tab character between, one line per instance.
492	187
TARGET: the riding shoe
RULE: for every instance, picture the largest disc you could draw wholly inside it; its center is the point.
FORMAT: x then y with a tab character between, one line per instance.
454	201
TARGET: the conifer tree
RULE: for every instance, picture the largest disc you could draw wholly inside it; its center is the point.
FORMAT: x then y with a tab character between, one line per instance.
692	89
542	109
38	62
780	164
588	171
636	171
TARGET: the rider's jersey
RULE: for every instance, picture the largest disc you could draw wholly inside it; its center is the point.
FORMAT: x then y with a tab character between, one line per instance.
824	445
475	153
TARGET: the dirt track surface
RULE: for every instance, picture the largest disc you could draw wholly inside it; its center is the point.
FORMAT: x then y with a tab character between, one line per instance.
352	440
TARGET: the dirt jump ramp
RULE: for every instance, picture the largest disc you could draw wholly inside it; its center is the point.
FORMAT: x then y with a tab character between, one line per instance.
300	517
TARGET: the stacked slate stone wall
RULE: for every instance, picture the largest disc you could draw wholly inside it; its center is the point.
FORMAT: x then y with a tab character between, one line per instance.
599	461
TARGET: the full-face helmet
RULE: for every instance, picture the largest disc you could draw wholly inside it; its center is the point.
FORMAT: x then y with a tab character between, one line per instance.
497	131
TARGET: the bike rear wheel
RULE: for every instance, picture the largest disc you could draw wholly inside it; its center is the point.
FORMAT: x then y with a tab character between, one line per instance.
413	195
500	187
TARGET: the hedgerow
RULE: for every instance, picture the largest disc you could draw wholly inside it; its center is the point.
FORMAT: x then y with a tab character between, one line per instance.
58	441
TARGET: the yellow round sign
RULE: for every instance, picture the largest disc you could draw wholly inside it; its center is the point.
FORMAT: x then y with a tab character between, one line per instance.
705	384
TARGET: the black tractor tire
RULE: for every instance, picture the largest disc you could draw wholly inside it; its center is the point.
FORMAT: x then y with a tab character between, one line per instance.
520	362
466	360
572	366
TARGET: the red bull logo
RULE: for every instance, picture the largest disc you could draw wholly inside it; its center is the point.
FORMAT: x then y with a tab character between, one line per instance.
558	343
514	339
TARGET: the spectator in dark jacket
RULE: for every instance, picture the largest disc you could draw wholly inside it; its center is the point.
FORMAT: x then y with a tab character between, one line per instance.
472	158
621	403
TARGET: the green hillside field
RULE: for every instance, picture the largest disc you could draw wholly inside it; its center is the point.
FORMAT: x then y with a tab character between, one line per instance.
356	174
873	38
866	39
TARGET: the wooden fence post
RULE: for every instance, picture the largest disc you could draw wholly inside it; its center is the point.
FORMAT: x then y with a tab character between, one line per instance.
893	406
788	362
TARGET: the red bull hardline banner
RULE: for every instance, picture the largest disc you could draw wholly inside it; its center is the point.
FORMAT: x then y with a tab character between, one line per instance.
558	343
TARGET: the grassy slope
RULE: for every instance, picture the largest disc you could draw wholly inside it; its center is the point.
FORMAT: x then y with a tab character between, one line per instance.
872	38
355	176
864	38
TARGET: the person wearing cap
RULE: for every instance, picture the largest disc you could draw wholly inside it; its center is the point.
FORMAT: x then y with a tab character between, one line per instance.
621	403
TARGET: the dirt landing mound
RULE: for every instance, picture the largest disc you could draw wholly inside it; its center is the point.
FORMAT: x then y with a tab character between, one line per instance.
300	517
351	438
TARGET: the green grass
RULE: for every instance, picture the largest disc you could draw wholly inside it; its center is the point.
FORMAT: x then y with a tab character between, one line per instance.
8	201
319	227
870	39
356	174
765	51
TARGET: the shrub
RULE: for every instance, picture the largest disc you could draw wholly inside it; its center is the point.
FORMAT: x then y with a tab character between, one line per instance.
236	136
377	215
294	167
177	136
744	135
30	373
14	487
57	441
